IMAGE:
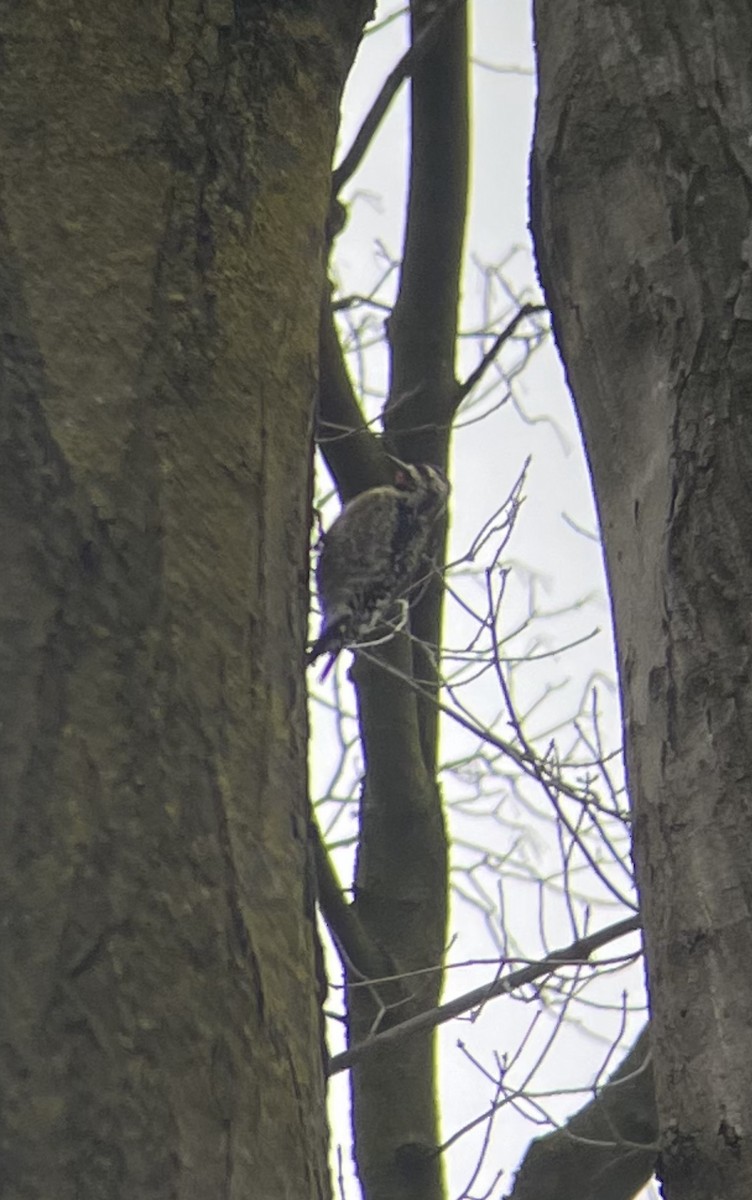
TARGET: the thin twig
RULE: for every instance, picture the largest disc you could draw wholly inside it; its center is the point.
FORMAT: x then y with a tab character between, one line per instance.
507	332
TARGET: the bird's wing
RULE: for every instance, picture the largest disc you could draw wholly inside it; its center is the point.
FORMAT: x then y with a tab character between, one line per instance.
356	548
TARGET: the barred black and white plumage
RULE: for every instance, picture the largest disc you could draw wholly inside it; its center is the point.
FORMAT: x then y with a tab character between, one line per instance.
371	556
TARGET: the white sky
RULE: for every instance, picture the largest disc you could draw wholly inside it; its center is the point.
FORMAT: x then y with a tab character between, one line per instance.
567	566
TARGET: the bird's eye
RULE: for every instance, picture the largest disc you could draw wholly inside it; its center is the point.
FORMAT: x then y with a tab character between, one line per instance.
402	480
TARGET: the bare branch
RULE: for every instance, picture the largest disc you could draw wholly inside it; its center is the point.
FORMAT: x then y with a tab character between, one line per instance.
389	89
357	952
607	1148
423	327
528	762
493	352
575	954
353	453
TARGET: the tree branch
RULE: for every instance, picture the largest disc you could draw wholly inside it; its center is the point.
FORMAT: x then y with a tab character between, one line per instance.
578	952
607	1149
354	455
423	326
401	876
357	953
389	89
532	766
488	358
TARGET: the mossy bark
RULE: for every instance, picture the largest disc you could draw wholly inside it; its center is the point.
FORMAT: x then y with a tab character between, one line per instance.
165	182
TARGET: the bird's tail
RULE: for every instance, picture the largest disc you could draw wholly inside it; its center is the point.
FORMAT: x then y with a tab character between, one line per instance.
330	641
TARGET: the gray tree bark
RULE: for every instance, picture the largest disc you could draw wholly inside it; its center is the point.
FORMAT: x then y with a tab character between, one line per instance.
641	212
165	182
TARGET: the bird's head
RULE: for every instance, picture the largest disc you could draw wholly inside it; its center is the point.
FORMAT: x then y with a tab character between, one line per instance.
423	479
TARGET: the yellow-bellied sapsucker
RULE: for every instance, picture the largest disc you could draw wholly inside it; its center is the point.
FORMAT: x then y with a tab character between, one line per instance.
371	556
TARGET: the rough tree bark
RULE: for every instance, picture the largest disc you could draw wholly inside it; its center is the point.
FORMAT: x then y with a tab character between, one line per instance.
165	181
641	212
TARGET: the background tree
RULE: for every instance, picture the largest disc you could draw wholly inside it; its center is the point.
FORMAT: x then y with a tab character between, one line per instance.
396	923
641	214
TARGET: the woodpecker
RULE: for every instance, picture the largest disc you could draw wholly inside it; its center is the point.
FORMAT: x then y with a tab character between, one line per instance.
371	556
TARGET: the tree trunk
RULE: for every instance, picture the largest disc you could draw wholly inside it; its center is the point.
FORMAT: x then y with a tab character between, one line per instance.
165	180
401	879
641	213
